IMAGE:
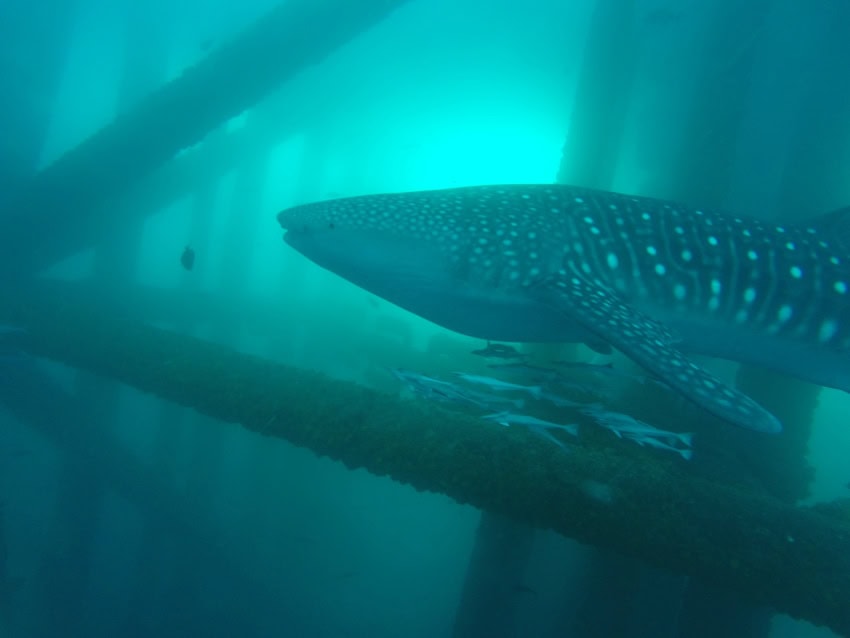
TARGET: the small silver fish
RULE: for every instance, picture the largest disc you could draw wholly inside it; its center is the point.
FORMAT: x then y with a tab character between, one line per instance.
447	392
560	402
494	401
640	432
497	385
538	426
685	453
416	380
626	426
430	387
499	351
509	418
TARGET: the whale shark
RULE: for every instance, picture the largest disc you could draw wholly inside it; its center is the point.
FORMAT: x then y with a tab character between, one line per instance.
655	279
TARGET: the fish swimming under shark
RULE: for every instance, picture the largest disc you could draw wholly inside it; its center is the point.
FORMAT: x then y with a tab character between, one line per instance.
653	278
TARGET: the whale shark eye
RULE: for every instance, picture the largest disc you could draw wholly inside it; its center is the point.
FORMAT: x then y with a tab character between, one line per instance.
331	225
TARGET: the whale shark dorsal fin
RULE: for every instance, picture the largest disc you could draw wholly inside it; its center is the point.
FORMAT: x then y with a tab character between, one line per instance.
650	344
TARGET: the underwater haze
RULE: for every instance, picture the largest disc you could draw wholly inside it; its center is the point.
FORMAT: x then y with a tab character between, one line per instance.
147	149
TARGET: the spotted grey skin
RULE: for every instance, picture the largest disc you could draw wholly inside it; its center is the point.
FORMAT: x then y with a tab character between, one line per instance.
652	278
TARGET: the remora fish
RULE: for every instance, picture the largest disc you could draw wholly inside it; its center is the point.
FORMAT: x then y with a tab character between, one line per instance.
685	453
624	425
653	278
447	392
509	418
497	385
538	426
499	351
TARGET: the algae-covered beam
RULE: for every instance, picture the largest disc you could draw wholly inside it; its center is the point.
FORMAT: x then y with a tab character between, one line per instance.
62	202
791	558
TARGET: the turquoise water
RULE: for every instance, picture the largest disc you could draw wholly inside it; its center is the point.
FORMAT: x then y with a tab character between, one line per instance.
203	528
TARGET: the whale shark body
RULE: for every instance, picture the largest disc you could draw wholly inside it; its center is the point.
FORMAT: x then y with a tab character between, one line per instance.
652	278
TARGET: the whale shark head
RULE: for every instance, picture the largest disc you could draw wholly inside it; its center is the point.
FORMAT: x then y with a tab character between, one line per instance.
494	238
453	257
377	244
360	237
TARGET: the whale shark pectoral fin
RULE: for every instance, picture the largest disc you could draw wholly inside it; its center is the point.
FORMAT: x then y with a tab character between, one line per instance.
649	343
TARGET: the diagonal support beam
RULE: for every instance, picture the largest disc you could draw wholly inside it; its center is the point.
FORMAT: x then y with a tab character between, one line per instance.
68	199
